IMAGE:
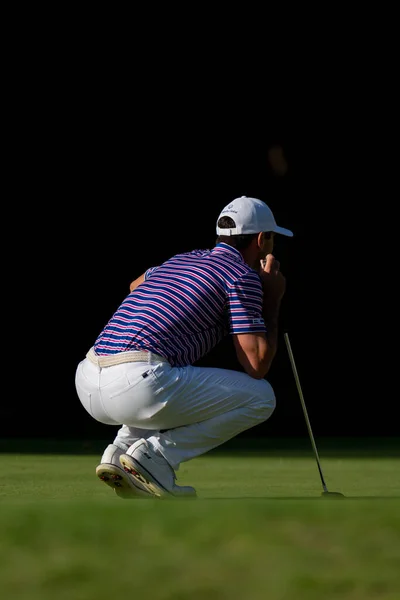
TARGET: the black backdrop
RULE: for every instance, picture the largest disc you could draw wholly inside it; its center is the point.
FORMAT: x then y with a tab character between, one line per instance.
107	195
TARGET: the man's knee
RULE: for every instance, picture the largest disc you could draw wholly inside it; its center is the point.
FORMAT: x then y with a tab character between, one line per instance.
266	400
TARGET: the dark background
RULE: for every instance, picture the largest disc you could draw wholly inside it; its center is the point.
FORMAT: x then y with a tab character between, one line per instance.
121	172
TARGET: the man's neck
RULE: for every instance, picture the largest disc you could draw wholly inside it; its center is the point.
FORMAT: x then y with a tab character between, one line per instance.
249	259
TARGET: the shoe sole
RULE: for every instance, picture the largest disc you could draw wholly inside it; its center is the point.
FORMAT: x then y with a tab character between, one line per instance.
140	473
117	479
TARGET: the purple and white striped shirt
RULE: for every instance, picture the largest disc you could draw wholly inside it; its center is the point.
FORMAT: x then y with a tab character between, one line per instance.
186	306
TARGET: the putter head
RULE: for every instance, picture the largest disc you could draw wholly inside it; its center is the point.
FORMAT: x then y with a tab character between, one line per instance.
333	494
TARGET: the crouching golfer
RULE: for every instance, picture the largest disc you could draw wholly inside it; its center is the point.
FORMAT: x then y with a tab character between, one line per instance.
139	374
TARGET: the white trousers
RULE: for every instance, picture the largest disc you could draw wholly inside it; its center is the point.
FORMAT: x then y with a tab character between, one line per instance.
182	411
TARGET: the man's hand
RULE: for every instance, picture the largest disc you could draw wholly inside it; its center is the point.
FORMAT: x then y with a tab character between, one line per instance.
273	282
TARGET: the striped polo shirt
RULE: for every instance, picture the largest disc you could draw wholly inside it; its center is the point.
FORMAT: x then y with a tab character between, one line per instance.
185	306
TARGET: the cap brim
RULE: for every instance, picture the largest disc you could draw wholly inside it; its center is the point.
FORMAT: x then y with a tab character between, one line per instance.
283	231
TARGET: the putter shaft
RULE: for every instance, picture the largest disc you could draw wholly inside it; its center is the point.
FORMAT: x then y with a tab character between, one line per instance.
296	377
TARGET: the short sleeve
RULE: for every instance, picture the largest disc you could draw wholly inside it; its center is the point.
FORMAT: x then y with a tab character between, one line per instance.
245	299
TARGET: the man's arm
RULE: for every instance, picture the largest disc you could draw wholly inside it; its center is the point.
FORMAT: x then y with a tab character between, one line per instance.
134	284
256	351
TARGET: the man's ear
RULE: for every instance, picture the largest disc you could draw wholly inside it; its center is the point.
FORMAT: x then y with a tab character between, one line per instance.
260	239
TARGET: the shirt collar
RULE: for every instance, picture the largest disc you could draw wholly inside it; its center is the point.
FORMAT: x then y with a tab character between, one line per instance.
235	254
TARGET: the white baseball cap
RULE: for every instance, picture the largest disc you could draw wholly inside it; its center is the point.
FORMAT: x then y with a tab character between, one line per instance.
251	216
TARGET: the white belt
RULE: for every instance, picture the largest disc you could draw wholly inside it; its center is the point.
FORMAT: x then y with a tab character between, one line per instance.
124	357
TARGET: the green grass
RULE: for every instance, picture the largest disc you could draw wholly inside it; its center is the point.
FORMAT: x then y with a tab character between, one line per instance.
259	529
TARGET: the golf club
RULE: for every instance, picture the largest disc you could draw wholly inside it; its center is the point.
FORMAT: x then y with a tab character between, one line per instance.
289	349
